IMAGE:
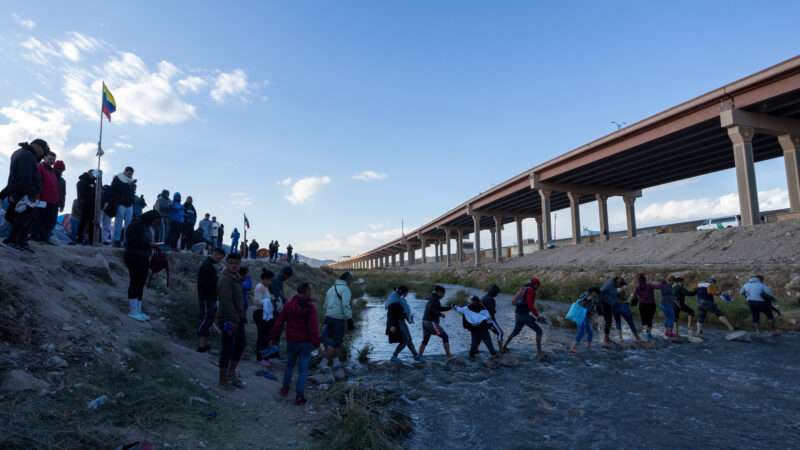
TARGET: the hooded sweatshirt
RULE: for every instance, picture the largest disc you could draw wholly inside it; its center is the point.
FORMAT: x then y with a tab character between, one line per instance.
754	290
49	192
475	315
122	190
23	176
337	301
300	317
394	298
176	209
489	301
434	309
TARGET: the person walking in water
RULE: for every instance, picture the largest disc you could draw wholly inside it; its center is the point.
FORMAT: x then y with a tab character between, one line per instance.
430	321
668	304
477	320
489	302
235	240
338	317
526	314
622	310
587	301
398	315
302	337
757	294
680	293
645	294
207	297
609	296
706	291
231	320
138	248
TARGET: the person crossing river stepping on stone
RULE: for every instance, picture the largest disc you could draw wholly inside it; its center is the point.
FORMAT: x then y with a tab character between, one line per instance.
526	314
430	321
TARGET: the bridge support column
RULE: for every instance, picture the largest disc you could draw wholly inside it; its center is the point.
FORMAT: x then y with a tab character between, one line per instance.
436	251
575	213
493	235
424	244
410	251
602	208
630	215
402	258
539	235
394	260
791	159
498	226
460	247
742	138
545	222
447	241
476	220
520	242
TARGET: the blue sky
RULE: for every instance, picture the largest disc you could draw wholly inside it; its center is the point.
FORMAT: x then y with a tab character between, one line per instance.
275	108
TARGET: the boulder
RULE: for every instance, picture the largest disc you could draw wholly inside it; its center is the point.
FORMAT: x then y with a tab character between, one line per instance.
507	360
20	380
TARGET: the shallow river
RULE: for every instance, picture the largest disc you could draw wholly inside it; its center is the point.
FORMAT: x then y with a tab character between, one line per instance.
717	394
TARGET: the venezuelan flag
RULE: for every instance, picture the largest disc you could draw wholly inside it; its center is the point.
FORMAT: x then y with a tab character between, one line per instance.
109	104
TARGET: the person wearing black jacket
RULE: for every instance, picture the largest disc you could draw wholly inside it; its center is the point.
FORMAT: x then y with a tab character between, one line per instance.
489	302
60	167
122	196
189	219
87	183
207	296
138	248
430	321
23	181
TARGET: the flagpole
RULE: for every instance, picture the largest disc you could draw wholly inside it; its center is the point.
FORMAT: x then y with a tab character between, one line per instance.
244	227
98	189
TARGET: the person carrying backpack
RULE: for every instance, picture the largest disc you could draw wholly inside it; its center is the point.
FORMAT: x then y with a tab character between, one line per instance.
586	301
526	314
338	317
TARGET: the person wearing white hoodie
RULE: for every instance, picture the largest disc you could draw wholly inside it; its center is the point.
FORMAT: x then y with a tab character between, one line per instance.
759	296
477	321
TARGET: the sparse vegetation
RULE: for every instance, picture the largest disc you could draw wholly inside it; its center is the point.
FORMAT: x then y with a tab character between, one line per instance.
461	298
363	354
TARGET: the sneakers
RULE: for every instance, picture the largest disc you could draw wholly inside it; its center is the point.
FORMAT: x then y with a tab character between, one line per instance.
136	311
284	391
419	358
395	360
300	400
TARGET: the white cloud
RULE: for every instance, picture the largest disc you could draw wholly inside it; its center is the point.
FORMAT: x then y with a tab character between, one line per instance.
71	49
369	175
229	84
699	208
142	97
333	246
28	24
76	44
191	83
305	188
38	51
241	199
286	182
123	145
29	120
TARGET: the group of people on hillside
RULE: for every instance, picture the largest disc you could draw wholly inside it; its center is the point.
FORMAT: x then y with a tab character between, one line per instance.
224	301
33	196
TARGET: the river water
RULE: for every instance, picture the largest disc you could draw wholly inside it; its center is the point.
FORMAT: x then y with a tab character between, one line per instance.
717	394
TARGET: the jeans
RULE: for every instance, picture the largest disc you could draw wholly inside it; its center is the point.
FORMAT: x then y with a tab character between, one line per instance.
235	245
623	310
124	214
300	354
232	346
585	328
669	315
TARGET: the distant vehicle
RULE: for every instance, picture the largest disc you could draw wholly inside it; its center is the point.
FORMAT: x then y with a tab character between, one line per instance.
720	223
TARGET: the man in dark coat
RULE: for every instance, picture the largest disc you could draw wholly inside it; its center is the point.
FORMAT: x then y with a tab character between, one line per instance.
24	184
87	183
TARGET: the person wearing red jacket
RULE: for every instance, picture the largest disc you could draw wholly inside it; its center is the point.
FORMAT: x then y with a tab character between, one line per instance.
302	337
46	217
526	314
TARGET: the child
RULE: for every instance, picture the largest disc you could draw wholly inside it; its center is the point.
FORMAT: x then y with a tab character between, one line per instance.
586	301
302	337
263	317
477	321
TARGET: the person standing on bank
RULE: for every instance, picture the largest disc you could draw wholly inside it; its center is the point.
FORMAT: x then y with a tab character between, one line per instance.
138	248
189	219
207	296
176	214
59	167
122	195
23	183
231	319
46	217
338	317
235	240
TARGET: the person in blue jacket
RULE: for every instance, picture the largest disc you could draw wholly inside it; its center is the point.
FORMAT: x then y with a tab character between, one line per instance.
176	214
235	241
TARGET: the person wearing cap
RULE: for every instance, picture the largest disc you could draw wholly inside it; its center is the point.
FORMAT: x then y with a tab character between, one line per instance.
526	314
430	321
706	291
24	184
338	317
123	190
46	217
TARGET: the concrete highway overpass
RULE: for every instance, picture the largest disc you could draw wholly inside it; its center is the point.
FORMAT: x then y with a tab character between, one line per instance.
753	119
